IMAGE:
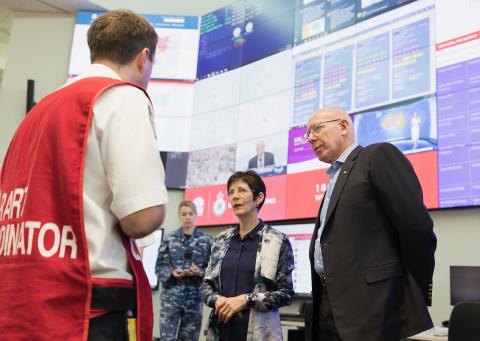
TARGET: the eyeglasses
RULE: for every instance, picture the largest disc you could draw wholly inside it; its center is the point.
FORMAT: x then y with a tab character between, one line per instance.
241	192
317	128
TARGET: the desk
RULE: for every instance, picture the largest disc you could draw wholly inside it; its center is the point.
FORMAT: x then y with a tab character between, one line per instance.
428	336
293	324
293	329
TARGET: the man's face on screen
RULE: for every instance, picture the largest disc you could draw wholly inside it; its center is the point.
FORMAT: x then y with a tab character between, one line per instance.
260	148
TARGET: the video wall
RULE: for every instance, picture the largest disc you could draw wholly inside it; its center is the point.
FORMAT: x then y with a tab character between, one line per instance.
171	88
408	72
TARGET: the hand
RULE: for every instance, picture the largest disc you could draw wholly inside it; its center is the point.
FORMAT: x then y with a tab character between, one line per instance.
196	271
178	273
188	273
226	307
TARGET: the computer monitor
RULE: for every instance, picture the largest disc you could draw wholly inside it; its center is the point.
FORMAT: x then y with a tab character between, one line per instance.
464	284
300	236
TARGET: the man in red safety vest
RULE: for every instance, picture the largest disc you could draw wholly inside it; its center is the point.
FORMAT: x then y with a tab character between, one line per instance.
81	177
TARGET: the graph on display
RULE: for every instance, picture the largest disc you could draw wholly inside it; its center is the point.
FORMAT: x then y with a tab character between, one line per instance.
408	73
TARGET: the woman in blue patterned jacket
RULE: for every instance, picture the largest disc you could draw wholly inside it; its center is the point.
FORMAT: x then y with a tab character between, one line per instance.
249	275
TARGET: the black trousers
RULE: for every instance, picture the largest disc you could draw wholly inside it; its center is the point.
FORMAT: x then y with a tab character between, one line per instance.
109	327
326	331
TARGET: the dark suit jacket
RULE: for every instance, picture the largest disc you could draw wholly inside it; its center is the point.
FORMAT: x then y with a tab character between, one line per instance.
378	248
268	161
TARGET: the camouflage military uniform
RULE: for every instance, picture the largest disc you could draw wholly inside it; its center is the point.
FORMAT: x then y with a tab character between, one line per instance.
180	302
273	283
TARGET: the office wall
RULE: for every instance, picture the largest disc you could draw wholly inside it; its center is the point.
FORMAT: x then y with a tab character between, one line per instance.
40	49
3	52
458	235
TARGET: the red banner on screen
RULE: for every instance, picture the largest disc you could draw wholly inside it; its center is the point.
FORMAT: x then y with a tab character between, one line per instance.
305	192
425	165
212	205
274	206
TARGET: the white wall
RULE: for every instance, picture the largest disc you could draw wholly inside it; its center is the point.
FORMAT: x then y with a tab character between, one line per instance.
3	53
5	22
458	235
40	49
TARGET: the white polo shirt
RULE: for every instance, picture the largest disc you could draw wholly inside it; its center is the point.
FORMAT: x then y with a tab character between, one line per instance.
123	171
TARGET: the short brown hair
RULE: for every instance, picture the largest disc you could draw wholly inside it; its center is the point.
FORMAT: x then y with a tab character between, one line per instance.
119	35
253	180
188	203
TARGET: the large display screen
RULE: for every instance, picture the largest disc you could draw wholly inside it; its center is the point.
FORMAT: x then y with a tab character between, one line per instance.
173	107
408	73
411	127
380	61
458	98
175	165
381	70
316	18
177	47
171	89
243	32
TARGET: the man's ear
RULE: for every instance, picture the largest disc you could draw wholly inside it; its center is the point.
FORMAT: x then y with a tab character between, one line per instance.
141	59
344	124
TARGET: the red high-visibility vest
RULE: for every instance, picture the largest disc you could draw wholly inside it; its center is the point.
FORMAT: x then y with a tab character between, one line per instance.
45	279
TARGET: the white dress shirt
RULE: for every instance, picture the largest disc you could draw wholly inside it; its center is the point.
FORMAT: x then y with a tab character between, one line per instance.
123	171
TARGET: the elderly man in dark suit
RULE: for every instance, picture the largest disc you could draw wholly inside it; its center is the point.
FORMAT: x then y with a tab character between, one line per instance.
262	159
372	250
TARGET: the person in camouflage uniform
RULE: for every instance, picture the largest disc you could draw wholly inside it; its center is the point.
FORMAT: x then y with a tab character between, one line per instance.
180	266
251	313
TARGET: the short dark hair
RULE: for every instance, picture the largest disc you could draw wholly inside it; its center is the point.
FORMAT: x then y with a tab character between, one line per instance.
119	35
253	180
188	203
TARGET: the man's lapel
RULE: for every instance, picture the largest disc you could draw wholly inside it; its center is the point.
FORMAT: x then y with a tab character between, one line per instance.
341	181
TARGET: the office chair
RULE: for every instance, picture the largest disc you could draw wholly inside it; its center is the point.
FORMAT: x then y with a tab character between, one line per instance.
464	322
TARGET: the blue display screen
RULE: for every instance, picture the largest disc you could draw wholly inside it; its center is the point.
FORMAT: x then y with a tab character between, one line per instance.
310	20
338	78
243	32
157	21
411	127
341	14
411	59
316	18
373	70
218	50
307	89
370	8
